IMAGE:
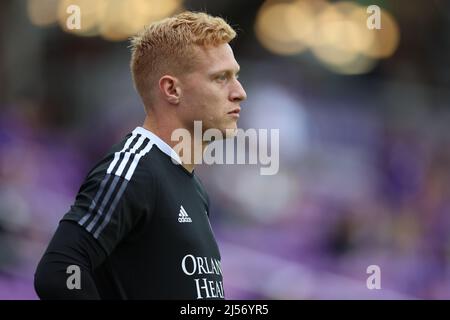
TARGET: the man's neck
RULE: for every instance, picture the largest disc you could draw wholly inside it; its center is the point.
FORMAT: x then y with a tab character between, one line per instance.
164	132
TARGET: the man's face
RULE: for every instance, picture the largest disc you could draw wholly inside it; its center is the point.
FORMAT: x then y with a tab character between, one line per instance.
212	93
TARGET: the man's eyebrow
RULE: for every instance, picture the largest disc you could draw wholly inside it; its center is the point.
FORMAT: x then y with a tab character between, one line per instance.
232	71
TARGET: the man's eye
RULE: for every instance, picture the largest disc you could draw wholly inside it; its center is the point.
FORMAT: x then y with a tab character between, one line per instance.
222	77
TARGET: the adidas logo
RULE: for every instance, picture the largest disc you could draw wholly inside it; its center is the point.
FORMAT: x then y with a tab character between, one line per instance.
183	216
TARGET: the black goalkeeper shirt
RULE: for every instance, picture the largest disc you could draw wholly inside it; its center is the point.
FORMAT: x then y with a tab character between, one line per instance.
140	229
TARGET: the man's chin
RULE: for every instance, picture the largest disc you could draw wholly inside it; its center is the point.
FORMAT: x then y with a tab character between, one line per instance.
230	133
226	131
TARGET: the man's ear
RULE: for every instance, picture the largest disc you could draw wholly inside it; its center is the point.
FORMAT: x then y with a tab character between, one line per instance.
170	89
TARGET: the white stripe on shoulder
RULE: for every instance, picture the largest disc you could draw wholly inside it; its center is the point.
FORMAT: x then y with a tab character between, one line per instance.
136	160
127	155
117	154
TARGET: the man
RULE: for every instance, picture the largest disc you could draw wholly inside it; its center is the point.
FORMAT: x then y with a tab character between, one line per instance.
139	228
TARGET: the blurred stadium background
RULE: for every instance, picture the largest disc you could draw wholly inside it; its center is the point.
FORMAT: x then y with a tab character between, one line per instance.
364	119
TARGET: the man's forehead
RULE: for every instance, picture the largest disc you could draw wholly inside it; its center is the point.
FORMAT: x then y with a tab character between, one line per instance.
218	58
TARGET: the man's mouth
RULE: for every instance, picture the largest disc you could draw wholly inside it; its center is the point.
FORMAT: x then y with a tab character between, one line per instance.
235	111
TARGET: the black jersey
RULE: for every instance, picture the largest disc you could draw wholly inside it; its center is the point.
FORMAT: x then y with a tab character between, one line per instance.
151	217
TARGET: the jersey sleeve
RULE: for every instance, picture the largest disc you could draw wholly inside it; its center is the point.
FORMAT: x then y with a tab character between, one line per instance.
116	196
71	246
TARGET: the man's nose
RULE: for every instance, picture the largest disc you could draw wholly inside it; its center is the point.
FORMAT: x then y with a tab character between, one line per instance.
238	93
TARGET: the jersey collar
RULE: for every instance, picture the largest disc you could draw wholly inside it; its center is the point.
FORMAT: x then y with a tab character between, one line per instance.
164	147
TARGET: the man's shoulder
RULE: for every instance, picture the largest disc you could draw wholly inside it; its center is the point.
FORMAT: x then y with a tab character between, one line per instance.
133	158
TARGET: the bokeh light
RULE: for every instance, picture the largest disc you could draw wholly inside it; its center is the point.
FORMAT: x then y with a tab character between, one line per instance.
42	12
276	28
114	20
336	33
